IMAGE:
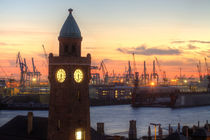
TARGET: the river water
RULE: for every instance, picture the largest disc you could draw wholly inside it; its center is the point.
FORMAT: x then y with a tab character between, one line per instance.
116	118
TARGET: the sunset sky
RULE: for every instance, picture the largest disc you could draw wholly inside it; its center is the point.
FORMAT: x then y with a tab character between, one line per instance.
177	32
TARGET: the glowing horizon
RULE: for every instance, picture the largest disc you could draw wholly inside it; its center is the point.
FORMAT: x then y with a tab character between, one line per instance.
176	32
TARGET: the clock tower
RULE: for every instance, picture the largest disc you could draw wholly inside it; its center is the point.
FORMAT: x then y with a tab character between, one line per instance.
69	75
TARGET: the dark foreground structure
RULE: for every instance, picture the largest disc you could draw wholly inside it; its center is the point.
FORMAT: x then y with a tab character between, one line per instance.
23	128
36	128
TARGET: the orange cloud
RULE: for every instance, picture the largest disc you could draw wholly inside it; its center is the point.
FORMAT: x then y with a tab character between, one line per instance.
143	50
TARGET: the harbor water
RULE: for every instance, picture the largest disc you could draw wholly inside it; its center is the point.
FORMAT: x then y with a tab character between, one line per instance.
117	117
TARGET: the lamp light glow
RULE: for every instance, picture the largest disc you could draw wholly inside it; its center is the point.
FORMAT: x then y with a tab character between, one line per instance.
152	84
78	135
33	79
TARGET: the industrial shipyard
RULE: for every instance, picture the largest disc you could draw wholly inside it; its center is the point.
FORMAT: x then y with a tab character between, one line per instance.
138	88
82	73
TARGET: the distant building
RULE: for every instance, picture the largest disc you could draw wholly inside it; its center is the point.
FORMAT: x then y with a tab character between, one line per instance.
18	129
2	86
114	92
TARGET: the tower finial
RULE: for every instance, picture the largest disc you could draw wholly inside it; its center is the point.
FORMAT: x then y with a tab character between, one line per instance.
70	10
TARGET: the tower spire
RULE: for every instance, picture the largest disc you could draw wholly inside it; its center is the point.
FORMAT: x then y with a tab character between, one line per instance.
70	37
70	10
70	27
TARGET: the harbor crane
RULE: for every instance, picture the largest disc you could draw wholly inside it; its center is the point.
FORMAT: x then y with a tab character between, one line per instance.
23	69
26	77
145	75
163	73
134	64
154	75
104	70
45	54
207	67
36	74
129	69
95	77
136	74
128	73
199	70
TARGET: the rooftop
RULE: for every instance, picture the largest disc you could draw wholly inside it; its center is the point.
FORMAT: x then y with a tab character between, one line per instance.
16	129
70	27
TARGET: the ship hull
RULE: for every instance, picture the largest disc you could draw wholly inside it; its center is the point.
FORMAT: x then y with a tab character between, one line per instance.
177	100
192	100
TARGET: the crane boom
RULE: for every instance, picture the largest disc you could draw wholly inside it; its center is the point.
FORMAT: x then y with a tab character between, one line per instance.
199	69
129	69
25	64
34	68
104	70
163	73
20	61
134	63
158	64
207	68
45	54
23	69
103	67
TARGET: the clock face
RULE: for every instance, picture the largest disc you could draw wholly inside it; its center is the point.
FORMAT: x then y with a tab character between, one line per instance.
78	75
60	75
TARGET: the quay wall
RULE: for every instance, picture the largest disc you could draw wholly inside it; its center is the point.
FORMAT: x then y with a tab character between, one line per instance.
36	98
41	102
190	100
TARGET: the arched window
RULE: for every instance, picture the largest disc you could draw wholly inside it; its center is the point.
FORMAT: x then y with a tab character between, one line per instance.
65	49
73	51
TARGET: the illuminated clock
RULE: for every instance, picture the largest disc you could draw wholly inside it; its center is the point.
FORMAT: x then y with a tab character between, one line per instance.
60	75
78	75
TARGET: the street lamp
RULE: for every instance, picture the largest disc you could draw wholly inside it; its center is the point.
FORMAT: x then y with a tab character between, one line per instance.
155	127
79	134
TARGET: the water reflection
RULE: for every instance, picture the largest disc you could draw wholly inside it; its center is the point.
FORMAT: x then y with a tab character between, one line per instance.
116	118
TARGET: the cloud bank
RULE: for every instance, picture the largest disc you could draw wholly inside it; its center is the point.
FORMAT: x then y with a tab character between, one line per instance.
9	44
143	50
190	41
192	47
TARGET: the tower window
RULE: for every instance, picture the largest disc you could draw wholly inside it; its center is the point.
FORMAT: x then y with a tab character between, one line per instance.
79	134
59	125
73	49
65	49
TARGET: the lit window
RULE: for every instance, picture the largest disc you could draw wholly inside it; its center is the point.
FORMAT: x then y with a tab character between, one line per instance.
78	135
116	94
